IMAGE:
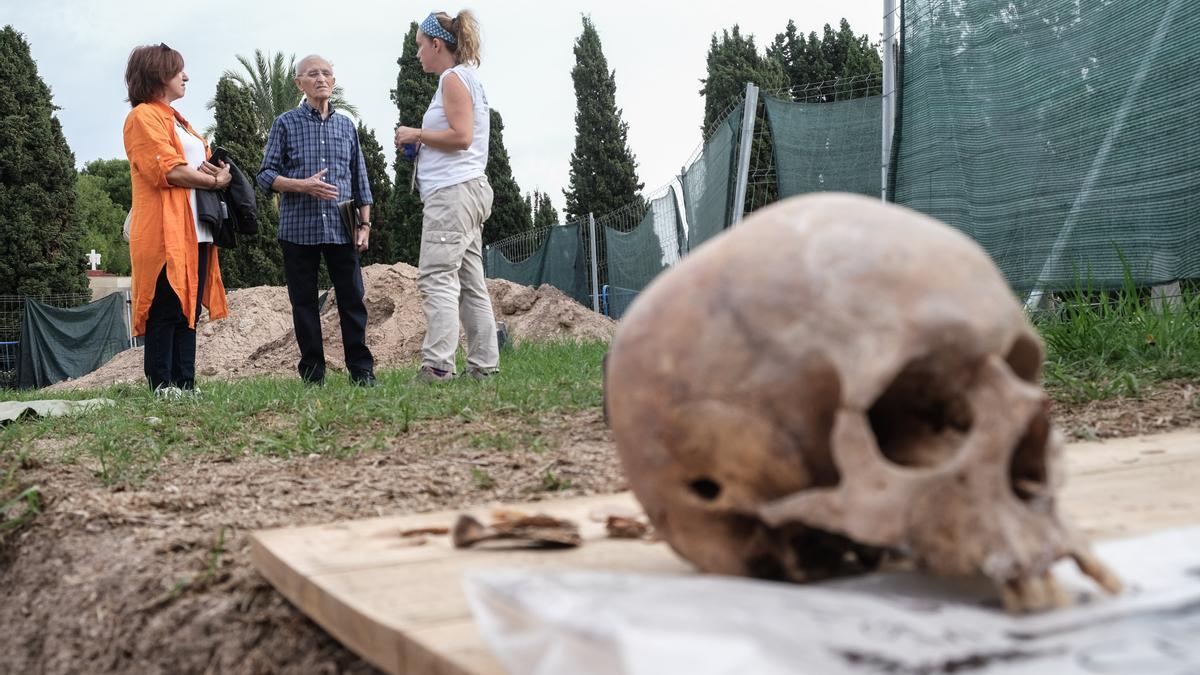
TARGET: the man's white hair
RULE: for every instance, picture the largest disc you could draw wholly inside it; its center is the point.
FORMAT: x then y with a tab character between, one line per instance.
312	57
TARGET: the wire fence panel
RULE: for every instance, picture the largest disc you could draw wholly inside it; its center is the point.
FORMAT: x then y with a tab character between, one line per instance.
708	182
817	137
1061	135
827	146
639	246
547	255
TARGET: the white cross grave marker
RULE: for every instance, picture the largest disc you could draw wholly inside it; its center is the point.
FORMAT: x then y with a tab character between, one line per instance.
93	258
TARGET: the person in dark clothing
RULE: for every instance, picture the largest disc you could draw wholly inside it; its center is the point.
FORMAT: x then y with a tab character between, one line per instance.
313	159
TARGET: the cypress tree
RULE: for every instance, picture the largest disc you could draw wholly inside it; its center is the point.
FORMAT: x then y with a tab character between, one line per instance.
382	247
839	54
510	213
414	90
544	213
603	174
40	250
257	260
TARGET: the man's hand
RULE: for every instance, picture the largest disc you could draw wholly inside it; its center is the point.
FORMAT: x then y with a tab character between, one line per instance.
313	185
364	236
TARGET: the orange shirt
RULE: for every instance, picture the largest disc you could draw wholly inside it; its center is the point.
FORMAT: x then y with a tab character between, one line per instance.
162	231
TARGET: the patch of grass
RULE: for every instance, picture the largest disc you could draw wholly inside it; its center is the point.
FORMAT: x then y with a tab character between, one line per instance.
126	442
551	482
20	510
481	479
1107	343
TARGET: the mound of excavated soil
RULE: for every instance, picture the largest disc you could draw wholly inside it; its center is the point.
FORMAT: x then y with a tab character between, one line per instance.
257	337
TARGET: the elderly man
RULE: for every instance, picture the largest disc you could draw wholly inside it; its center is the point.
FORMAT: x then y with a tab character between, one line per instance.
314	161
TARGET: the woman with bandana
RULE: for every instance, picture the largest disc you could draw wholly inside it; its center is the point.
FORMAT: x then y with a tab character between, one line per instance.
451	154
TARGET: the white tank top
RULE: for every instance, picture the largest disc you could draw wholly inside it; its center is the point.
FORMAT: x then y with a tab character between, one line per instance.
437	169
193	152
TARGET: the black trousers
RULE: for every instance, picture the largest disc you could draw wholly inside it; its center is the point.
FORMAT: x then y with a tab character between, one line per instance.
300	265
170	356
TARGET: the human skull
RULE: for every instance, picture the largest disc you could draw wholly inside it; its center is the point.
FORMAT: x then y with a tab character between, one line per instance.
835	380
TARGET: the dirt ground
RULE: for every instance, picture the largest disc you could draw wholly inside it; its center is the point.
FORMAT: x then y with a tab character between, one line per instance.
139	580
124	581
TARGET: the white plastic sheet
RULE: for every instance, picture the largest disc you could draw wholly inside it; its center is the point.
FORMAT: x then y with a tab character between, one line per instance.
592	623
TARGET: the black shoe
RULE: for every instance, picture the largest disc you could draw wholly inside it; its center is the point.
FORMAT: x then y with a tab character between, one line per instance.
365	380
313	382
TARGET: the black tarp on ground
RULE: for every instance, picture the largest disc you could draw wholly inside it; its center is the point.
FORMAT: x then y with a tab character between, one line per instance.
57	344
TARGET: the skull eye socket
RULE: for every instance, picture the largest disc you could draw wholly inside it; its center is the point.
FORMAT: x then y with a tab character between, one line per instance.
923	417
1025	359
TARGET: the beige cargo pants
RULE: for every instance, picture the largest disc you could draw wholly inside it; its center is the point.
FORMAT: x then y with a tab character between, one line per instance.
450	277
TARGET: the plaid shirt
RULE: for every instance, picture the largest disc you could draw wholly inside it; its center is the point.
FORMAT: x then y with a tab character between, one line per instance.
300	145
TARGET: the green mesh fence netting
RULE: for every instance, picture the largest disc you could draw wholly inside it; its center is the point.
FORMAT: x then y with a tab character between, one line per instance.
527	272
558	262
1063	135
57	343
634	258
708	182
827	146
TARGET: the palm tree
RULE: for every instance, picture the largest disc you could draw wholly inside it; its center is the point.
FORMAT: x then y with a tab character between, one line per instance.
271	81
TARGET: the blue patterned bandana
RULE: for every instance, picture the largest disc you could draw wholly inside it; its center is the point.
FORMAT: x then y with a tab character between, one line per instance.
433	28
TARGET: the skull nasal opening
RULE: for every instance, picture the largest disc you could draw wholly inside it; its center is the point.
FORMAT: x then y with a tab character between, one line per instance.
922	418
706	488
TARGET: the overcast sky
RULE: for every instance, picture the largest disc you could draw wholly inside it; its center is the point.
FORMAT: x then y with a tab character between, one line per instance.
657	49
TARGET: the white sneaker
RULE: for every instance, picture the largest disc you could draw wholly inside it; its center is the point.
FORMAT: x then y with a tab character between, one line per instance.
170	393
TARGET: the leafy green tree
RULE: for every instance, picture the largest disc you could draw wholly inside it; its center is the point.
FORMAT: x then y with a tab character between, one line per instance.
383	235
114	178
257	260
544	213
837	55
100	223
510	213
414	90
271	81
733	60
603	173
40	250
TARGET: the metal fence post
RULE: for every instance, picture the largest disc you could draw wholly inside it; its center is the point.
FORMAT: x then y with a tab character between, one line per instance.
595	264
128	295
889	90
749	113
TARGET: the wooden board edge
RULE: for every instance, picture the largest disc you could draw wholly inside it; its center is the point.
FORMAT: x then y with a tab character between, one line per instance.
359	634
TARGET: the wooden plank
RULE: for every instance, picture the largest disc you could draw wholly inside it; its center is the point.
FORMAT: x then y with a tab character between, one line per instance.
1117	455
402	607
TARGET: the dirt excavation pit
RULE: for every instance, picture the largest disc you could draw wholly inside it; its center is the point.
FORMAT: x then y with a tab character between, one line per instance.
257	337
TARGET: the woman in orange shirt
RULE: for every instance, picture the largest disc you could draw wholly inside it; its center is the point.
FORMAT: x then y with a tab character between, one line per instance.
175	268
